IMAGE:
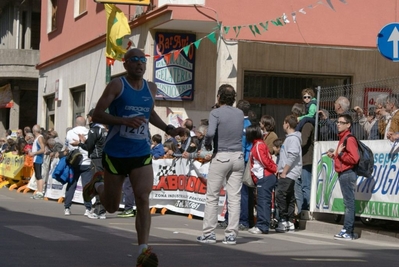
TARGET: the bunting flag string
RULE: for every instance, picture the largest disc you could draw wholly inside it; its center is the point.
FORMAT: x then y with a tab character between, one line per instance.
254	28
282	20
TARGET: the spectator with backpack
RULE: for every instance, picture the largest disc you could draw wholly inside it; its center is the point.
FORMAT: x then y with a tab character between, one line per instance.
82	167
346	157
94	145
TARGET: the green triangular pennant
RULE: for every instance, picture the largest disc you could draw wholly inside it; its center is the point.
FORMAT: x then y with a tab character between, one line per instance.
252	30
237	30
264	26
256	29
226	30
217	27
277	22
186	48
197	43
212	37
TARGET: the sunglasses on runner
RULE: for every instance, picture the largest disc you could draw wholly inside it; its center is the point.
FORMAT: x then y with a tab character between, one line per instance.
137	59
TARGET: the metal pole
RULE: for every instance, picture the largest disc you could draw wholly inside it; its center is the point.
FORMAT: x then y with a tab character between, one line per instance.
316	125
107	73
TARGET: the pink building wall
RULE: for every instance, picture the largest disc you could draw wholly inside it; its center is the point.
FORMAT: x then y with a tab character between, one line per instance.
355	23
73	32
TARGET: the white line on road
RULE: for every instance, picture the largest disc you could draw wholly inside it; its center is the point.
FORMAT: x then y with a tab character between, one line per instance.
329	260
4	197
44	233
288	237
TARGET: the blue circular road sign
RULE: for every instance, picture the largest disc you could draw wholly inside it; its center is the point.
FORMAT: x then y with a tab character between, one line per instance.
388	41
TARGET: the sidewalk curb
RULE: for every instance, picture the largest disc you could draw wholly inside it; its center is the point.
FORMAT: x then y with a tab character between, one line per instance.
325	224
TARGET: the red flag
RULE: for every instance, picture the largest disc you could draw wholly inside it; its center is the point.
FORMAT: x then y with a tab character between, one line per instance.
169	111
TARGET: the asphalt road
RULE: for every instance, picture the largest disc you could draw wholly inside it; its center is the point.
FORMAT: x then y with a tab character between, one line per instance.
36	233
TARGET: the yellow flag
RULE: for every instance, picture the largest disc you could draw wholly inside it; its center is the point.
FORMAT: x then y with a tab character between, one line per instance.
117	28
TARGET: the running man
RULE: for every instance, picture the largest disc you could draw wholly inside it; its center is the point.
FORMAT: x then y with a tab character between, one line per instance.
130	101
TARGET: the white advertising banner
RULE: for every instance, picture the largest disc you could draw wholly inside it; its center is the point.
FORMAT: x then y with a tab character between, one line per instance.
376	197
180	186
54	189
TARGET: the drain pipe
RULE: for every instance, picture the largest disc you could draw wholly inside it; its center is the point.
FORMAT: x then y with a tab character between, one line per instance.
17	29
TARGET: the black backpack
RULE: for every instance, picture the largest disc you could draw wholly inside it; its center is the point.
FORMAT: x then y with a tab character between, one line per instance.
365	166
74	158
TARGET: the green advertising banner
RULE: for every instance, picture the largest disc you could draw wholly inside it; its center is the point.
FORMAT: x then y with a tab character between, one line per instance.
376	197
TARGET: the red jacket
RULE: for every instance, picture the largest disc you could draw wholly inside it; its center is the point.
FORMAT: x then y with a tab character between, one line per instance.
261	153
349	156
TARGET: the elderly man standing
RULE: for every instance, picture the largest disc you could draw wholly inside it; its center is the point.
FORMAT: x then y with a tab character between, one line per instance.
226	124
341	106
38	149
84	169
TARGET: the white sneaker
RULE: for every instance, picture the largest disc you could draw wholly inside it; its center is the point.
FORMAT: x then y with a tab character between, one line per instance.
291	227
255	230
87	212
93	215
282	227
67	211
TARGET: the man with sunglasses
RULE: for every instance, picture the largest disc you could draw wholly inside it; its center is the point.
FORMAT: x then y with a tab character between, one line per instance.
130	101
345	158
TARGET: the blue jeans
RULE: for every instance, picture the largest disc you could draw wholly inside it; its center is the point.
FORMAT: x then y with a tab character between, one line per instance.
347	181
265	188
244	206
86	173
302	188
306	185
247	206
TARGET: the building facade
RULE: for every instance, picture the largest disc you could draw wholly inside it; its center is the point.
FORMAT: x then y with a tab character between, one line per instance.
268	50
19	55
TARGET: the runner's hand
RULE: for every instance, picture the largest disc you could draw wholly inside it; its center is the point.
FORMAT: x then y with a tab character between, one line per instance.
134	122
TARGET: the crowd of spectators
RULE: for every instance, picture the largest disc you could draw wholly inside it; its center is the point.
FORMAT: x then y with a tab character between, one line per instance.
379	122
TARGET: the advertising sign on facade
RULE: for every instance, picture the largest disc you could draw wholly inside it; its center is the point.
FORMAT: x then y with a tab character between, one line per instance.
174	70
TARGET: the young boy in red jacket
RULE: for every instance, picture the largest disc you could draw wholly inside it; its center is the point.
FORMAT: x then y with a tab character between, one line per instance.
345	158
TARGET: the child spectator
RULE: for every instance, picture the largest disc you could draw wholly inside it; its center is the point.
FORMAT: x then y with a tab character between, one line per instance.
310	109
157	150
169	148
187	144
277	143
263	171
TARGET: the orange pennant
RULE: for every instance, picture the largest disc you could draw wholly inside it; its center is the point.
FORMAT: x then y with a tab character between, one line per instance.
167	58
176	54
